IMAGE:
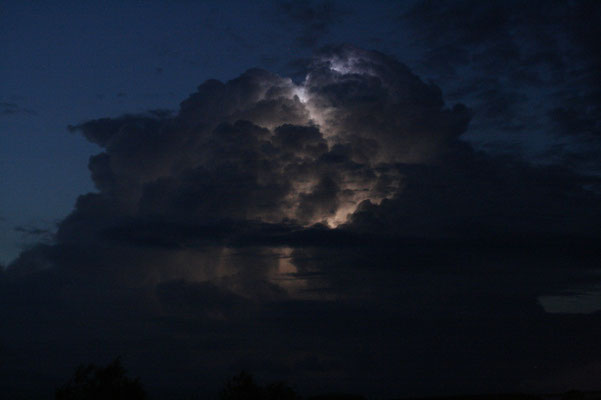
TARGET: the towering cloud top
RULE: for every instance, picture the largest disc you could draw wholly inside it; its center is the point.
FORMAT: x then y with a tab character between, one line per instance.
263	148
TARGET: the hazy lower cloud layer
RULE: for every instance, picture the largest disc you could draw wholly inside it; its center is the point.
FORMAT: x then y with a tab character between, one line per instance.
336	232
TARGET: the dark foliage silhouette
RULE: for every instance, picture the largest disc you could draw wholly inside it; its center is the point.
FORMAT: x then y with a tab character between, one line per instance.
243	387
337	396
92	382
573	395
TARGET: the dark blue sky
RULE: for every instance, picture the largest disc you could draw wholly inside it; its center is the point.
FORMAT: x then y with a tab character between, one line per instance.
327	192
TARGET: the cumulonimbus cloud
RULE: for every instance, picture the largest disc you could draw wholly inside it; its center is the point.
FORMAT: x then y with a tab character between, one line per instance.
283	206
262	147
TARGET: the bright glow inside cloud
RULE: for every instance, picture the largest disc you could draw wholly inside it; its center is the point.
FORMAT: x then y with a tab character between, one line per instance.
315	114
301	92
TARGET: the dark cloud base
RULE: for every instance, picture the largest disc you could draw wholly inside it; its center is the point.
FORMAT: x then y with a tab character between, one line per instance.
336	233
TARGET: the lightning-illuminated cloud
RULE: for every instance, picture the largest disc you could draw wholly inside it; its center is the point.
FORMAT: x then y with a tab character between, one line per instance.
266	210
360	145
261	147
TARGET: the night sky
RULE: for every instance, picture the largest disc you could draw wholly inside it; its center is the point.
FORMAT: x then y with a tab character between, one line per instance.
385	198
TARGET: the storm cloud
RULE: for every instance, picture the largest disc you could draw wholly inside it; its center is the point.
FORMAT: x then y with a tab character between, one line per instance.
337	232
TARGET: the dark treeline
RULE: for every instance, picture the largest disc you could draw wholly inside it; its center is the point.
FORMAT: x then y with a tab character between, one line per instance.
91	382
99	383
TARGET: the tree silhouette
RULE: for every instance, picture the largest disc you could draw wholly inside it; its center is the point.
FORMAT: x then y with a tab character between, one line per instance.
101	383
243	387
573	395
337	396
